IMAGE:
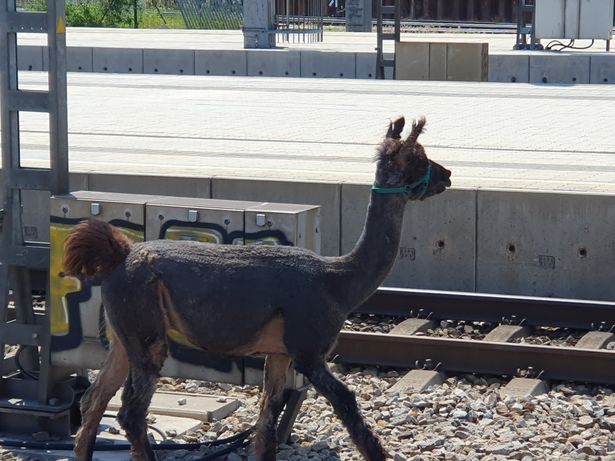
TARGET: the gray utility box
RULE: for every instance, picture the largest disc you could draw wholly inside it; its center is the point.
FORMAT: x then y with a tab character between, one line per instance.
573	19
78	328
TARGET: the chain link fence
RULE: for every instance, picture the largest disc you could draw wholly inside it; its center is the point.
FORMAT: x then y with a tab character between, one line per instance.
212	14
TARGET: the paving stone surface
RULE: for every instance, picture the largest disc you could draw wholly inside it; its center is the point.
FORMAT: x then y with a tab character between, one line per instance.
491	135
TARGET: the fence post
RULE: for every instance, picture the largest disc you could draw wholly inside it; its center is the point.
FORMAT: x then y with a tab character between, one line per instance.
258	24
359	15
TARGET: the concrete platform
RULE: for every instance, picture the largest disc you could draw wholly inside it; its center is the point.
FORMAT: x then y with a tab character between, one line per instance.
531	209
340	55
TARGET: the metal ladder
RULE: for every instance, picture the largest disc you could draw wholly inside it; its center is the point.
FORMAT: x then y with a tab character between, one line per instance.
32	396
381	10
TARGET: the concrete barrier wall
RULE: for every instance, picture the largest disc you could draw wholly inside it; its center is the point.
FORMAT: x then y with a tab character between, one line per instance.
221	62
320	64
437	248
455	62
117	60
546	244
515	242
511	67
175	62
559	68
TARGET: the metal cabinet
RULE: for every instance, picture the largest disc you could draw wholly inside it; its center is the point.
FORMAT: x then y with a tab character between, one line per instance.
79	331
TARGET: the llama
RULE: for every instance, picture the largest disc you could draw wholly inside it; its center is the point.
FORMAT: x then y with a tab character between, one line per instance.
286	303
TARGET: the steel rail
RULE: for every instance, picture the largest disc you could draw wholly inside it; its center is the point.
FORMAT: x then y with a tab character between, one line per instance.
470	356
503	27
452	305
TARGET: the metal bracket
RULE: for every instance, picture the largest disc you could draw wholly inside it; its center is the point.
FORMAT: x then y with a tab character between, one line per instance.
427	364
529	372
602	326
421	314
512	320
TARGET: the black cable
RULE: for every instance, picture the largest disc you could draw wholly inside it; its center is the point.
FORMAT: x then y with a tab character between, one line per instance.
224	451
29	374
562	46
237	440
150	426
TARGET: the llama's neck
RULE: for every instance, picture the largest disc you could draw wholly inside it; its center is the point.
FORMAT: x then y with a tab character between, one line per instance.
374	254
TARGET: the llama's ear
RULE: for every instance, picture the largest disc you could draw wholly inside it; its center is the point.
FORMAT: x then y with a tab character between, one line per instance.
395	128
417	129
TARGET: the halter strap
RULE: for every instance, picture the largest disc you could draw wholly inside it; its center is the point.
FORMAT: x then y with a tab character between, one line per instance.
415	191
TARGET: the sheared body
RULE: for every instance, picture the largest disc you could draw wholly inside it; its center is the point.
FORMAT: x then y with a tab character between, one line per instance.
287	303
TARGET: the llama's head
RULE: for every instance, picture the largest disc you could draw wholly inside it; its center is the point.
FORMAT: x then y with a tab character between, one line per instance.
403	166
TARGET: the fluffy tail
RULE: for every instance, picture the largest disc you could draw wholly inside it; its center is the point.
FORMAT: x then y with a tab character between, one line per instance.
94	248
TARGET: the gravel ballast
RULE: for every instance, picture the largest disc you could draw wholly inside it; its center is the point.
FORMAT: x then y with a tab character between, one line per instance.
465	418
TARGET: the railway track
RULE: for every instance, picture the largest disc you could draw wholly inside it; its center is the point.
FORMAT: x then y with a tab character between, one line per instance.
513	319
439	25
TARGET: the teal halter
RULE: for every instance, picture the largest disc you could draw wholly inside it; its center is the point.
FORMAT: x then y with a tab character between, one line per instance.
414	191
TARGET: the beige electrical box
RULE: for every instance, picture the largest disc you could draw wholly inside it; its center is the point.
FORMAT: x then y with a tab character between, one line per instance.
439	60
573	19
78	328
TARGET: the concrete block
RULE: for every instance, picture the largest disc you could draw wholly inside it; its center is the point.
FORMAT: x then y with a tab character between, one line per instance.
79	59
595	340
416	381
412	60
176	62
157	185
117	60
327	195
163	423
30	57
274	63
524	387
559	68
442	61
545	244
602	68
506	333
412	326
324	64
220	62
196	406
437	243
467	62
437	61
365	65
509	68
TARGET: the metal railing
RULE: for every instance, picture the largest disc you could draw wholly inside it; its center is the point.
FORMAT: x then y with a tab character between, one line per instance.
299	21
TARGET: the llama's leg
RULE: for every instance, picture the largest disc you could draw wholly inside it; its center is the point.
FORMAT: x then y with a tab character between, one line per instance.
345	405
272	402
95	399
137	396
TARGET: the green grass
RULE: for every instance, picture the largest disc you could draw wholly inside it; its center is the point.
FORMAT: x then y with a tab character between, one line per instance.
113	13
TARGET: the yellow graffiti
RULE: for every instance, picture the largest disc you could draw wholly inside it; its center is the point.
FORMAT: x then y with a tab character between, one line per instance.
263	241
61	286
194	234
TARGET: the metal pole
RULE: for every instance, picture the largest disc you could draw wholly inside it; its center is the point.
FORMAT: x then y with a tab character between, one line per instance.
58	119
